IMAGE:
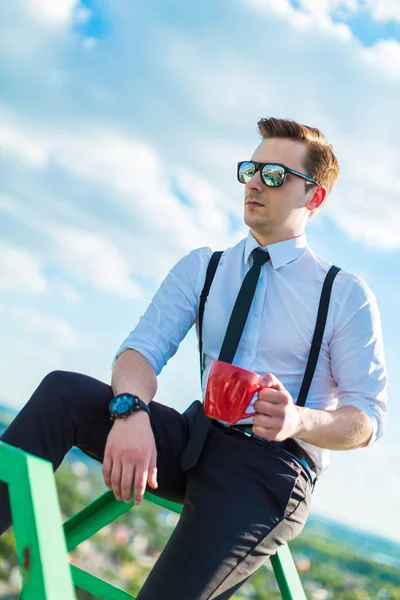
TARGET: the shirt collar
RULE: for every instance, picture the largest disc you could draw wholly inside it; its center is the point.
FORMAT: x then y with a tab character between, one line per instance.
281	253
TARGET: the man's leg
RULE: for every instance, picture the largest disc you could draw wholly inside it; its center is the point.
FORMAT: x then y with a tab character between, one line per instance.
243	500
70	409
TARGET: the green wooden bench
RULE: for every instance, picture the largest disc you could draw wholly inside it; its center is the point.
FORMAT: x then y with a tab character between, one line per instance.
42	541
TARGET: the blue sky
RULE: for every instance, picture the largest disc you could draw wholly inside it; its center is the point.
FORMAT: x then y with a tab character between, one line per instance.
120	127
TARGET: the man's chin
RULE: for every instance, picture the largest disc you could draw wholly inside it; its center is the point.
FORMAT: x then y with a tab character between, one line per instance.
253	220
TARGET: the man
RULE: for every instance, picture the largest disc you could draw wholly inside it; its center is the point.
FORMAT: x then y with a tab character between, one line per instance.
243	495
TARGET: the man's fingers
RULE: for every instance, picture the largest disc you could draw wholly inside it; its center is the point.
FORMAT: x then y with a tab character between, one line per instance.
264	432
267	422
271	408
141	476
270	395
262	420
271	381
127	482
271	399
107	467
152	478
271	430
116	479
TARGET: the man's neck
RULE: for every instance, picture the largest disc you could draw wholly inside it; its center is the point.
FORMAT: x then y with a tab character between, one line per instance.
273	238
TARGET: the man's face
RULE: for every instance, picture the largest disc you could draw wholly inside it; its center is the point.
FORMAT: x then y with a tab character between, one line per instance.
272	211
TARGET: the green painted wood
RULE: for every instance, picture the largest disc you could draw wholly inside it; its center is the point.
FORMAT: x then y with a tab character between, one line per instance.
98	587
100	513
41	550
168	504
92	518
286	575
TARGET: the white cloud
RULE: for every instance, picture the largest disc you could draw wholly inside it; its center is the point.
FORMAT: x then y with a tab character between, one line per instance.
384	10
384	57
310	15
379	10
205	200
283	8
365	228
59	13
137	181
22	145
224	88
48	327
136	178
67	292
91	259
327	7
85	256
20	271
366	202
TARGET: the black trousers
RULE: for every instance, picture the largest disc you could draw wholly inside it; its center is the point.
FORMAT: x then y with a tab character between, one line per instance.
242	500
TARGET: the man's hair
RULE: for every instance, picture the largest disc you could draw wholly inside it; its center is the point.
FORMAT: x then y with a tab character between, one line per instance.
320	162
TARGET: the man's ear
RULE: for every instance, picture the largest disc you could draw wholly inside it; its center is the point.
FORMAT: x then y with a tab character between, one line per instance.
317	199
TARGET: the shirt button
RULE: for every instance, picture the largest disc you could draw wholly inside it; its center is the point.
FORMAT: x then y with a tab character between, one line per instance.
256	314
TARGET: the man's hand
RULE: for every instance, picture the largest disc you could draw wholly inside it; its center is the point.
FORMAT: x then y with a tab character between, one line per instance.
277	418
130	458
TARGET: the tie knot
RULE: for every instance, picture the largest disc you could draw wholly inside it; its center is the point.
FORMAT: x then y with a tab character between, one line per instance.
260	257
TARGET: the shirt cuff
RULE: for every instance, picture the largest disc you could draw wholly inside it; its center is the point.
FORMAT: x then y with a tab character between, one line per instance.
374	435
143	352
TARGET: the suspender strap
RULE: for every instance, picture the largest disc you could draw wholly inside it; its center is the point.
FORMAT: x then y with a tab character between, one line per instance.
212	267
318	335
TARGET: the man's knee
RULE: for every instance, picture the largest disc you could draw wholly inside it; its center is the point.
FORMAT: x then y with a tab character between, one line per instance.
73	395
55	379
57	388
55	384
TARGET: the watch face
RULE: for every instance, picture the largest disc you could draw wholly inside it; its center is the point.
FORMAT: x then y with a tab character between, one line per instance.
122	404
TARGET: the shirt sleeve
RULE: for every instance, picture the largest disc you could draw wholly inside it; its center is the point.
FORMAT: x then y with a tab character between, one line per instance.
357	357
172	312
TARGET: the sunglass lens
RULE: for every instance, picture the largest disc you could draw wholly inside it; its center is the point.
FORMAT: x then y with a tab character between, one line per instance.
273	175
246	171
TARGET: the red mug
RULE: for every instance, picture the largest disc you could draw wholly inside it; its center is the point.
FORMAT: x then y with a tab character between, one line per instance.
229	392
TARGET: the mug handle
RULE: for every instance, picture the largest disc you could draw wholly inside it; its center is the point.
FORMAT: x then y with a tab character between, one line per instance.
246	414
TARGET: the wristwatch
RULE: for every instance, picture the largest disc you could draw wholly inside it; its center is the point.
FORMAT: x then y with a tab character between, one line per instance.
123	405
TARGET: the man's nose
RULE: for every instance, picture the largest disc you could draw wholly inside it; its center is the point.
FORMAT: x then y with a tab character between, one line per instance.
256	183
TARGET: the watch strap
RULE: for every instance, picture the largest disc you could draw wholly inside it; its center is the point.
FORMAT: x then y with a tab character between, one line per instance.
138	404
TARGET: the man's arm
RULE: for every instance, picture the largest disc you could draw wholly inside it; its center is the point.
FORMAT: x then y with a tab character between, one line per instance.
279	418
357	365
345	428
130	457
133	373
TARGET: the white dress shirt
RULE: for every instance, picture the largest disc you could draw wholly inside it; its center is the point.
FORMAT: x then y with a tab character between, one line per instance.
279	328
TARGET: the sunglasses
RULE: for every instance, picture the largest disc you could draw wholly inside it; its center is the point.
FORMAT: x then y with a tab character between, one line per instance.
272	174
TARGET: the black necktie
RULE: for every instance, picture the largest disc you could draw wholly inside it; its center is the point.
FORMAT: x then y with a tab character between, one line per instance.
228	350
